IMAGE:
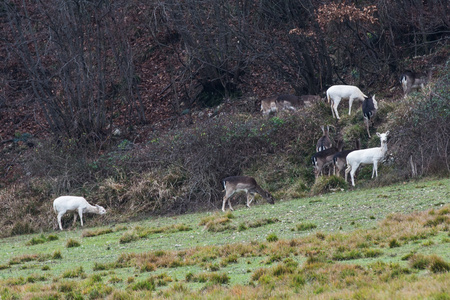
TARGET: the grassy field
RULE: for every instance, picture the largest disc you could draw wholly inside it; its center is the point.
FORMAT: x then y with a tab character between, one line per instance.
384	243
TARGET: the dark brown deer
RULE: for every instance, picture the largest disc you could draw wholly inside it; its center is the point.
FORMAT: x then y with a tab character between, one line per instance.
339	159
324	158
324	142
369	109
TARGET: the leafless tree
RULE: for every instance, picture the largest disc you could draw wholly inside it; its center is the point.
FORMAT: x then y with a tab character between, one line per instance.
78	63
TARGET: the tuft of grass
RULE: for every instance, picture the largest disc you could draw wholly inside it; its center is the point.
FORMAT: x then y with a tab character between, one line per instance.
438	265
41	239
92	233
419	261
78	272
393	243
272	238
71	243
128	237
216	278
218	222
305	226
148	285
57	254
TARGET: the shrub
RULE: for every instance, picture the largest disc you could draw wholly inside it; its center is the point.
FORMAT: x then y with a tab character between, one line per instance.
20	228
325	184
422	120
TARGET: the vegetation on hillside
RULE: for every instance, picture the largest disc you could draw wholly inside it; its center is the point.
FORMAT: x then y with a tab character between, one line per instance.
181	170
103	99
388	242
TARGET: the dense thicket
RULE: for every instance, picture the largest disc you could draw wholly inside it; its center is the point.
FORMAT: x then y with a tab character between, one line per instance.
79	60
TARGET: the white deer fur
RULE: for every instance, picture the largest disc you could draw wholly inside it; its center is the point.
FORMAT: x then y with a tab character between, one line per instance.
366	157
338	92
245	184
64	204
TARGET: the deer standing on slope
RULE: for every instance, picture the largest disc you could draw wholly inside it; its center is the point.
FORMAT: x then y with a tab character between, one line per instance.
366	157
245	184
410	80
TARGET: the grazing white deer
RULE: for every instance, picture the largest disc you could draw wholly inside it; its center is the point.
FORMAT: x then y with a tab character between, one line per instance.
324	142
245	184
369	109
412	81
366	157
338	92
63	204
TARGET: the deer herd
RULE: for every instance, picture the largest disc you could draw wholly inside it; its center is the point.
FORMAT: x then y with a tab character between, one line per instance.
326	155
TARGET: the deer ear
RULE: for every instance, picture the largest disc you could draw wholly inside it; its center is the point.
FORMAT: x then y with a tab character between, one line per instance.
387	132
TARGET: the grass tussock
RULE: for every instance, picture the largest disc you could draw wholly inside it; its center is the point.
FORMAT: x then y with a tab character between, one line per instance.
218	222
42	239
71	243
101	231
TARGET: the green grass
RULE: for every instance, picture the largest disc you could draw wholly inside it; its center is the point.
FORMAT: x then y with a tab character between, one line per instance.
341	245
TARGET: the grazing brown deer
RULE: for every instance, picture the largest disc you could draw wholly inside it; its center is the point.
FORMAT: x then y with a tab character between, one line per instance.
245	184
410	80
286	102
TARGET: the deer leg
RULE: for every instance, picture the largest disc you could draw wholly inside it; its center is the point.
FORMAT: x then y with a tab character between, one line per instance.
332	109
250	198
74	219
375	169
350	103
229	203
335	106
80	212
59	219
224	202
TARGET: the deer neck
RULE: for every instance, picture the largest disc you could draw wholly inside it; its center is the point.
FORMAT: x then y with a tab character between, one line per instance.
91	209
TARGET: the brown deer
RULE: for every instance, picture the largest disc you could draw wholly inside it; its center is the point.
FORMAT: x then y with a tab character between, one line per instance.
410	80
245	184
324	142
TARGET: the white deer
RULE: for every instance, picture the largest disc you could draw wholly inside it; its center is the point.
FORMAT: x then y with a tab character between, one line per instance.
63	204
366	157
245	184
338	92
